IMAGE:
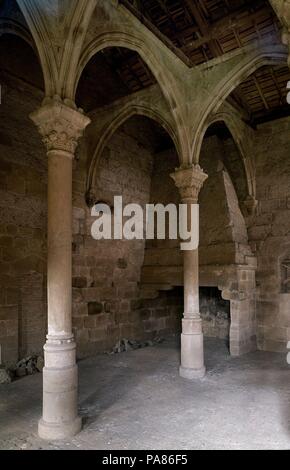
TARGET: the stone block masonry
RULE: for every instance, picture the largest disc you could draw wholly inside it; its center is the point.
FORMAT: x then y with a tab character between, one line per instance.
106	275
107	301
23	175
269	234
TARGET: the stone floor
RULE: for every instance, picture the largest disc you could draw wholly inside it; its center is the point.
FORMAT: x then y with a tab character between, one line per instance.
136	400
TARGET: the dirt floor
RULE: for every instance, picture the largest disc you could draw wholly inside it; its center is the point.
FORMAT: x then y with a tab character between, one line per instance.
136	400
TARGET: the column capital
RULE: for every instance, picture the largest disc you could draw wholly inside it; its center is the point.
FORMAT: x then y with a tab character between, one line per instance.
189	181
59	125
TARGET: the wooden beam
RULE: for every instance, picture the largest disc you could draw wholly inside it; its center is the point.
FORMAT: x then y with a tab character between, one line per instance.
230	22
167	42
240	103
166	10
237	38
260	92
271	115
203	26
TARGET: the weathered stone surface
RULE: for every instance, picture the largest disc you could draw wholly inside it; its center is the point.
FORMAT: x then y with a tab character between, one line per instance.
39	364
28	366
122	263
79	282
273	191
107	274
125	345
95	308
5	376
21	371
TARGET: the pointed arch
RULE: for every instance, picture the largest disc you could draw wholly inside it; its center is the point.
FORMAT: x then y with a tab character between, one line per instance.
38	28
251	61
10	26
135	42
109	129
78	26
237	129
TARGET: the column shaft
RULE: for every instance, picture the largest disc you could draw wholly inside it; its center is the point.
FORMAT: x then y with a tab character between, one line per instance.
60	127
59	268
189	182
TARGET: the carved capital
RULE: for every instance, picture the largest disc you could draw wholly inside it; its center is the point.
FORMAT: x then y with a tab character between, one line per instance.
59	125
189	181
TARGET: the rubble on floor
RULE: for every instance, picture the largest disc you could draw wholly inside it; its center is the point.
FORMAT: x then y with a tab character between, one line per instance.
27	366
125	345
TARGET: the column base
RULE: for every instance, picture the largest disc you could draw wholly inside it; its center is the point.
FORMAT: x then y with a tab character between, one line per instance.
192	357
60	418
192	374
57	431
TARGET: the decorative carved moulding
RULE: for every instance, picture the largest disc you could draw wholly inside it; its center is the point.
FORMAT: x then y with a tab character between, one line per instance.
189	181
59	125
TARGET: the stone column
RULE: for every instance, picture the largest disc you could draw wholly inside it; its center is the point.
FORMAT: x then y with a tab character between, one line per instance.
60	127
189	182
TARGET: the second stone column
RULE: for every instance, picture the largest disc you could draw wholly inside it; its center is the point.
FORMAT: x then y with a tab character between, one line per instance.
189	181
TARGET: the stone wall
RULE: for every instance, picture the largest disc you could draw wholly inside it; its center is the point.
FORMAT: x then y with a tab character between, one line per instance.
23	181
215	313
163	314
107	303
269	233
227	266
106	274
223	233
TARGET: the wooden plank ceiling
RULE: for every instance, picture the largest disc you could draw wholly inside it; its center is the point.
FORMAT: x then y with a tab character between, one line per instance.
204	29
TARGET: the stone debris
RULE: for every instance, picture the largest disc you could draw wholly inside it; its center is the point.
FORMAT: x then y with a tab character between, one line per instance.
125	345
20	371
5	376
28	366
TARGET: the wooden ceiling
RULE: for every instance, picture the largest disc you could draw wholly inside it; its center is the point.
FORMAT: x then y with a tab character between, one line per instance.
263	95
204	29
197	30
